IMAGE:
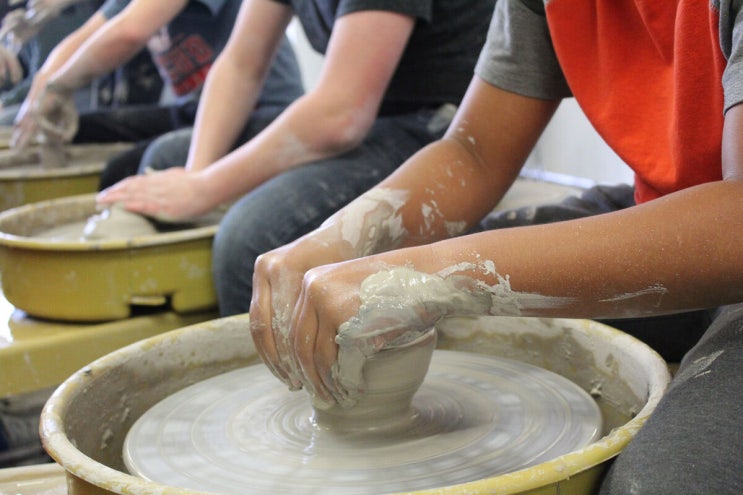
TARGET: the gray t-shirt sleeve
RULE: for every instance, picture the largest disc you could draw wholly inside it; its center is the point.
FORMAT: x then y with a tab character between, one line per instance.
415	8
518	55
731	43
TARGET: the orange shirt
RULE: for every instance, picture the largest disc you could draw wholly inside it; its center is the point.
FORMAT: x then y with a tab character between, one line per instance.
647	74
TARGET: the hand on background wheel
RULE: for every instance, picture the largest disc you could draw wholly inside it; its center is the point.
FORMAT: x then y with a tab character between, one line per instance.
51	118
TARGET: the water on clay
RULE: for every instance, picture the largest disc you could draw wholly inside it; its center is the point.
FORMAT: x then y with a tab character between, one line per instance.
475	416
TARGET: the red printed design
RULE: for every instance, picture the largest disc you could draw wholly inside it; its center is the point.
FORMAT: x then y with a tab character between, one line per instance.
186	63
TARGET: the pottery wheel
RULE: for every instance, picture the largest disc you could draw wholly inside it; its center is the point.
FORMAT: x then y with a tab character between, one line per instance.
475	416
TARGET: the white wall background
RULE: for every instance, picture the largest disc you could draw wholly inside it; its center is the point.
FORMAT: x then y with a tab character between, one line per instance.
569	151
571	147
309	60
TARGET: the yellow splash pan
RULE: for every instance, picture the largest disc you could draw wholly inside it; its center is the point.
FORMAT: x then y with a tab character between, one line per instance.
85	422
23	180
100	280
6	135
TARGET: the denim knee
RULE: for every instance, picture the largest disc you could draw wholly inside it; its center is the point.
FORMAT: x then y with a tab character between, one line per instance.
168	150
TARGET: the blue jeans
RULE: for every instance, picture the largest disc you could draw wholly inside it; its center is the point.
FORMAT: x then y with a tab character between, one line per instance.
299	200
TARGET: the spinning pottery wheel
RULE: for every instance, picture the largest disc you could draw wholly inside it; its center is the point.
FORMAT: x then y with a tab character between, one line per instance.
86	422
101	280
474	416
24	180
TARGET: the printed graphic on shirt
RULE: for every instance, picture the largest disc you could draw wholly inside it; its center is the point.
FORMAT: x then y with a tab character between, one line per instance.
185	60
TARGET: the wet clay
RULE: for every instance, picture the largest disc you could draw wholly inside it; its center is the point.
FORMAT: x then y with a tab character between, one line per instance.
474	416
112	223
388	380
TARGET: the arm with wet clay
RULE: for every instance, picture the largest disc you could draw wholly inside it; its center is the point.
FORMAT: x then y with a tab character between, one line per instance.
440	192
661	257
25	125
94	50
334	117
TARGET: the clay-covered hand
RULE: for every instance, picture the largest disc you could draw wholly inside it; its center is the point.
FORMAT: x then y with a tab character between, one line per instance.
11	71
171	195
277	282
294	319
25	128
342	314
51	118
56	114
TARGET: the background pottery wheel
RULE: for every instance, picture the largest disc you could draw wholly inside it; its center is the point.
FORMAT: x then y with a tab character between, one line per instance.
100	280
24	181
6	134
474	416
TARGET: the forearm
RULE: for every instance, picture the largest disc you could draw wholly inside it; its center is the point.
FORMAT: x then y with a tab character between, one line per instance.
211	142
657	258
112	42
60	55
402	211
308	130
96	58
445	188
